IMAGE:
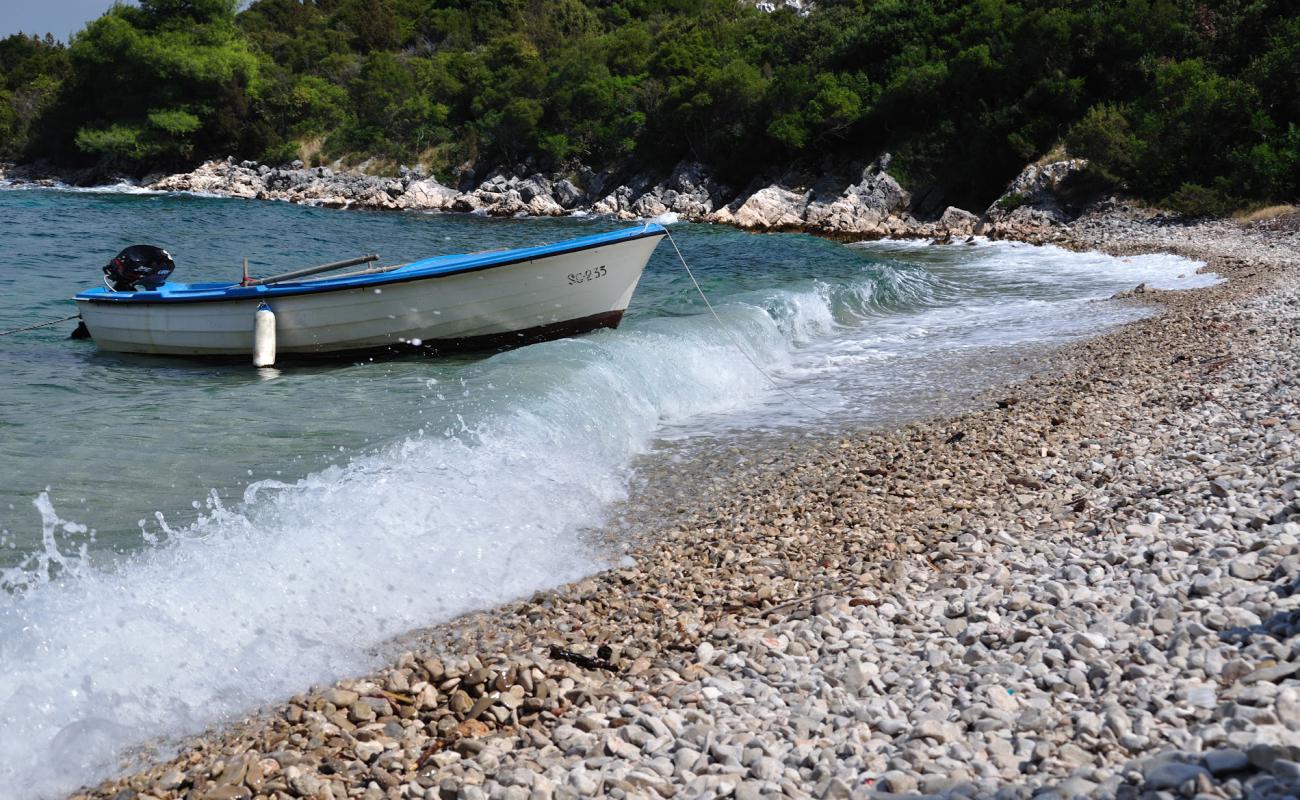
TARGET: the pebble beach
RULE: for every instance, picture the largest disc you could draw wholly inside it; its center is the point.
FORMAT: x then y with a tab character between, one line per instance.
1088	585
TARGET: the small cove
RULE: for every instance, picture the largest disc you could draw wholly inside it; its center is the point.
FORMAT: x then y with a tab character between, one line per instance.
221	539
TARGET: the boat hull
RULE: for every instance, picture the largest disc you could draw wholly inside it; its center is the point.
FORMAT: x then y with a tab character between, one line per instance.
494	307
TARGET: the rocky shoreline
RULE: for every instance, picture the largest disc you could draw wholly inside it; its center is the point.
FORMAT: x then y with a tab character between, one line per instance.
870	205
1088	587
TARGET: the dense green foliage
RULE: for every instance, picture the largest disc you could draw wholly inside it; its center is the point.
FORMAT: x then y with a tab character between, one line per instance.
1169	99
32	71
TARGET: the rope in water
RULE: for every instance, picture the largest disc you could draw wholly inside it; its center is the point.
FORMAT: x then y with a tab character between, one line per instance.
39	325
736	341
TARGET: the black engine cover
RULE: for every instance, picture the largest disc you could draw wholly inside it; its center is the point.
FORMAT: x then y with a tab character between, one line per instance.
141	264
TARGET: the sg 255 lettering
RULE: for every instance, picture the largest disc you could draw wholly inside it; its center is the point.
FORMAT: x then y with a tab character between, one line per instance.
585	275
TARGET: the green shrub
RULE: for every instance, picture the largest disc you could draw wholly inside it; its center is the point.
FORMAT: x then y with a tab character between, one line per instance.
1192	120
174	121
32	73
280	154
1197	202
1106	139
1089	183
115	143
1010	202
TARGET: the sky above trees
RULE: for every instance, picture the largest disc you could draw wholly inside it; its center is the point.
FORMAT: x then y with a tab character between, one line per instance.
59	17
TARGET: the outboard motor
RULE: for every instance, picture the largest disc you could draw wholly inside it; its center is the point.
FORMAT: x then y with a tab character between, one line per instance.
144	264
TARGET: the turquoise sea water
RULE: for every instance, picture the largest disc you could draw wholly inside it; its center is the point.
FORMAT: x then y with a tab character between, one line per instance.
182	541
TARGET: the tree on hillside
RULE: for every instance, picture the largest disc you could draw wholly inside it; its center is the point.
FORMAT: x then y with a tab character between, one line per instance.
32	71
160	84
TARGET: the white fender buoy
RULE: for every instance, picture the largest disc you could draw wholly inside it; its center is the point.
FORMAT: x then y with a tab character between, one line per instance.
263	336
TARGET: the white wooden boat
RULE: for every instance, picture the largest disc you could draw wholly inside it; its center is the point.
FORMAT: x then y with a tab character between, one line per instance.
473	301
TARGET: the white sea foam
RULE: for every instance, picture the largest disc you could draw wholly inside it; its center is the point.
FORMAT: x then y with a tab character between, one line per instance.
300	582
1048	264
120	187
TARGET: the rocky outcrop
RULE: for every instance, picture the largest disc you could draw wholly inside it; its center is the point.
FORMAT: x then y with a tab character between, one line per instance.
801	7
690	192
1032	207
315	186
618	202
1039	183
873	206
506	195
958	222
427	193
770	208
44	173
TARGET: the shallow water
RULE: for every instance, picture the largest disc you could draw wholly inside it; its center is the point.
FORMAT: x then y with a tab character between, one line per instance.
180	542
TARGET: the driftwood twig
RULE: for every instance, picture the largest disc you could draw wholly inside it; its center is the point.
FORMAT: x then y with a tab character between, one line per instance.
586	662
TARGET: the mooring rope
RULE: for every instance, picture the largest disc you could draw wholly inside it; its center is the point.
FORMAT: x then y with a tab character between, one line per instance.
39	325
777	385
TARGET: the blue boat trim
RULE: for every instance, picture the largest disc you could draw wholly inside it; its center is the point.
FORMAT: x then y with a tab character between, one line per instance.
436	267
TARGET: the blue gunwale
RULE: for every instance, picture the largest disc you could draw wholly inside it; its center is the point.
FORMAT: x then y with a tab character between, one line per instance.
435	267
